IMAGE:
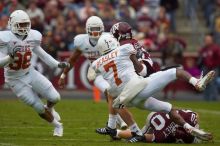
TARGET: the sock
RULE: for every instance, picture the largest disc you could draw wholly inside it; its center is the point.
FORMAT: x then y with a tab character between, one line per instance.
112	121
135	129
193	81
117	134
56	123
120	121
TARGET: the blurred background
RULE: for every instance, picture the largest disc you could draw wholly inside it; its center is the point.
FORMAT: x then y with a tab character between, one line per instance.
175	32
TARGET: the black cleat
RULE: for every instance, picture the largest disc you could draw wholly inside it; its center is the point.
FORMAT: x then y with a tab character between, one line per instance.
136	138
106	131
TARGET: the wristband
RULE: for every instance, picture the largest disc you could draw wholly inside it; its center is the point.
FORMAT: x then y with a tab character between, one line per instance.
62	76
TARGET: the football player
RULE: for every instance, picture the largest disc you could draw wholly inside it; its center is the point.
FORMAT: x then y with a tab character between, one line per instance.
118	66
122	31
16	48
159	128
86	45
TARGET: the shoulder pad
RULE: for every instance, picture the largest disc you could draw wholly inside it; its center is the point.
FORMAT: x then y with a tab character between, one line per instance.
79	40
35	37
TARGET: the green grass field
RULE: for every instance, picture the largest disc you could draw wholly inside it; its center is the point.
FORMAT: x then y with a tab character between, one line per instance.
20	125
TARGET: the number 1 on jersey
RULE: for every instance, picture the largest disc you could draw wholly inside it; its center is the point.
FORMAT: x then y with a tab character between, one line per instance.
112	65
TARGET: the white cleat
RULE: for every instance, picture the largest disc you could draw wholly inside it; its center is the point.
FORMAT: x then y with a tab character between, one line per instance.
202	135
201	84
55	114
58	131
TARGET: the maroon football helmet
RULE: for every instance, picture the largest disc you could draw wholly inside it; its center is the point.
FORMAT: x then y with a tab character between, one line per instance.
121	31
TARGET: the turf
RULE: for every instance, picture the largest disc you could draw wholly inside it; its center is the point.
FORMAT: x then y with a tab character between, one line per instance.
20	125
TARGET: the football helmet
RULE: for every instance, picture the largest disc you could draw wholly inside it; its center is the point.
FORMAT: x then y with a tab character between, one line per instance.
19	22
121	31
107	43
94	27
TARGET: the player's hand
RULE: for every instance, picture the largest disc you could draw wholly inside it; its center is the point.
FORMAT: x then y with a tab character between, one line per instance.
61	82
91	75
63	65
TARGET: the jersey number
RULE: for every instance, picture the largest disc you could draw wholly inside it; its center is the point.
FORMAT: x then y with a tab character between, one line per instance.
21	61
112	65
160	125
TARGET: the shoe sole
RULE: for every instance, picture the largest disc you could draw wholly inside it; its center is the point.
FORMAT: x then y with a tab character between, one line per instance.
210	77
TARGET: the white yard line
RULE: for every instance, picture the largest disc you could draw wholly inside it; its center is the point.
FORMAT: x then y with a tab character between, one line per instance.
38	127
7	144
52	139
208	111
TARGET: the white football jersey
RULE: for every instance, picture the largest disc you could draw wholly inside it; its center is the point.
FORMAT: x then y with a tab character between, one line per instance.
22	61
87	46
116	68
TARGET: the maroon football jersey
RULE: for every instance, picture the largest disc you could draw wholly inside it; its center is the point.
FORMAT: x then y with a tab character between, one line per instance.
141	54
166	131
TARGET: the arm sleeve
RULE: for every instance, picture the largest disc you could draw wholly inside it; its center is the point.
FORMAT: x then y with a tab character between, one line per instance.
129	49
49	60
4	59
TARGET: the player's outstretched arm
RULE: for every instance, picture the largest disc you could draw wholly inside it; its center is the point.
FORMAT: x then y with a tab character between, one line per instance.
5	60
72	60
49	60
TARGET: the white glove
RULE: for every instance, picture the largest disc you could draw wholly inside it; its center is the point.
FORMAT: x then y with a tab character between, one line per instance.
91	75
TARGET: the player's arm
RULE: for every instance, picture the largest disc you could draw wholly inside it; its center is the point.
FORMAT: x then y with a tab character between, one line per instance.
72	60
5	59
5	56
49	60
139	66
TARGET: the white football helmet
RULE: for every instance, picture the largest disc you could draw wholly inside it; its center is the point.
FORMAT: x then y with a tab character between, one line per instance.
94	27
19	22
107	43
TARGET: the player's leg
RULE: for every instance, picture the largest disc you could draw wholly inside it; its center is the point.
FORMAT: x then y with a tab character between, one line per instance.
102	84
25	93
127	117
42	86
199	84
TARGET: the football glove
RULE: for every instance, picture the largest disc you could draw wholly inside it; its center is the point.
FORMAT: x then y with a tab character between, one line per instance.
63	65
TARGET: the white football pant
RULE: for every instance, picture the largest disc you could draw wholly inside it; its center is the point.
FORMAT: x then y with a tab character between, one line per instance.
28	88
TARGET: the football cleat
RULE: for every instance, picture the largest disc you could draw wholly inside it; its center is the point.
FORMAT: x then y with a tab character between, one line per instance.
203	81
105	131
58	131
202	135
136	138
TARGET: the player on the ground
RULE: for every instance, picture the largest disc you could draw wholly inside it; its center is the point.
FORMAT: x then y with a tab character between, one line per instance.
159	128
119	65
16	48
86	45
